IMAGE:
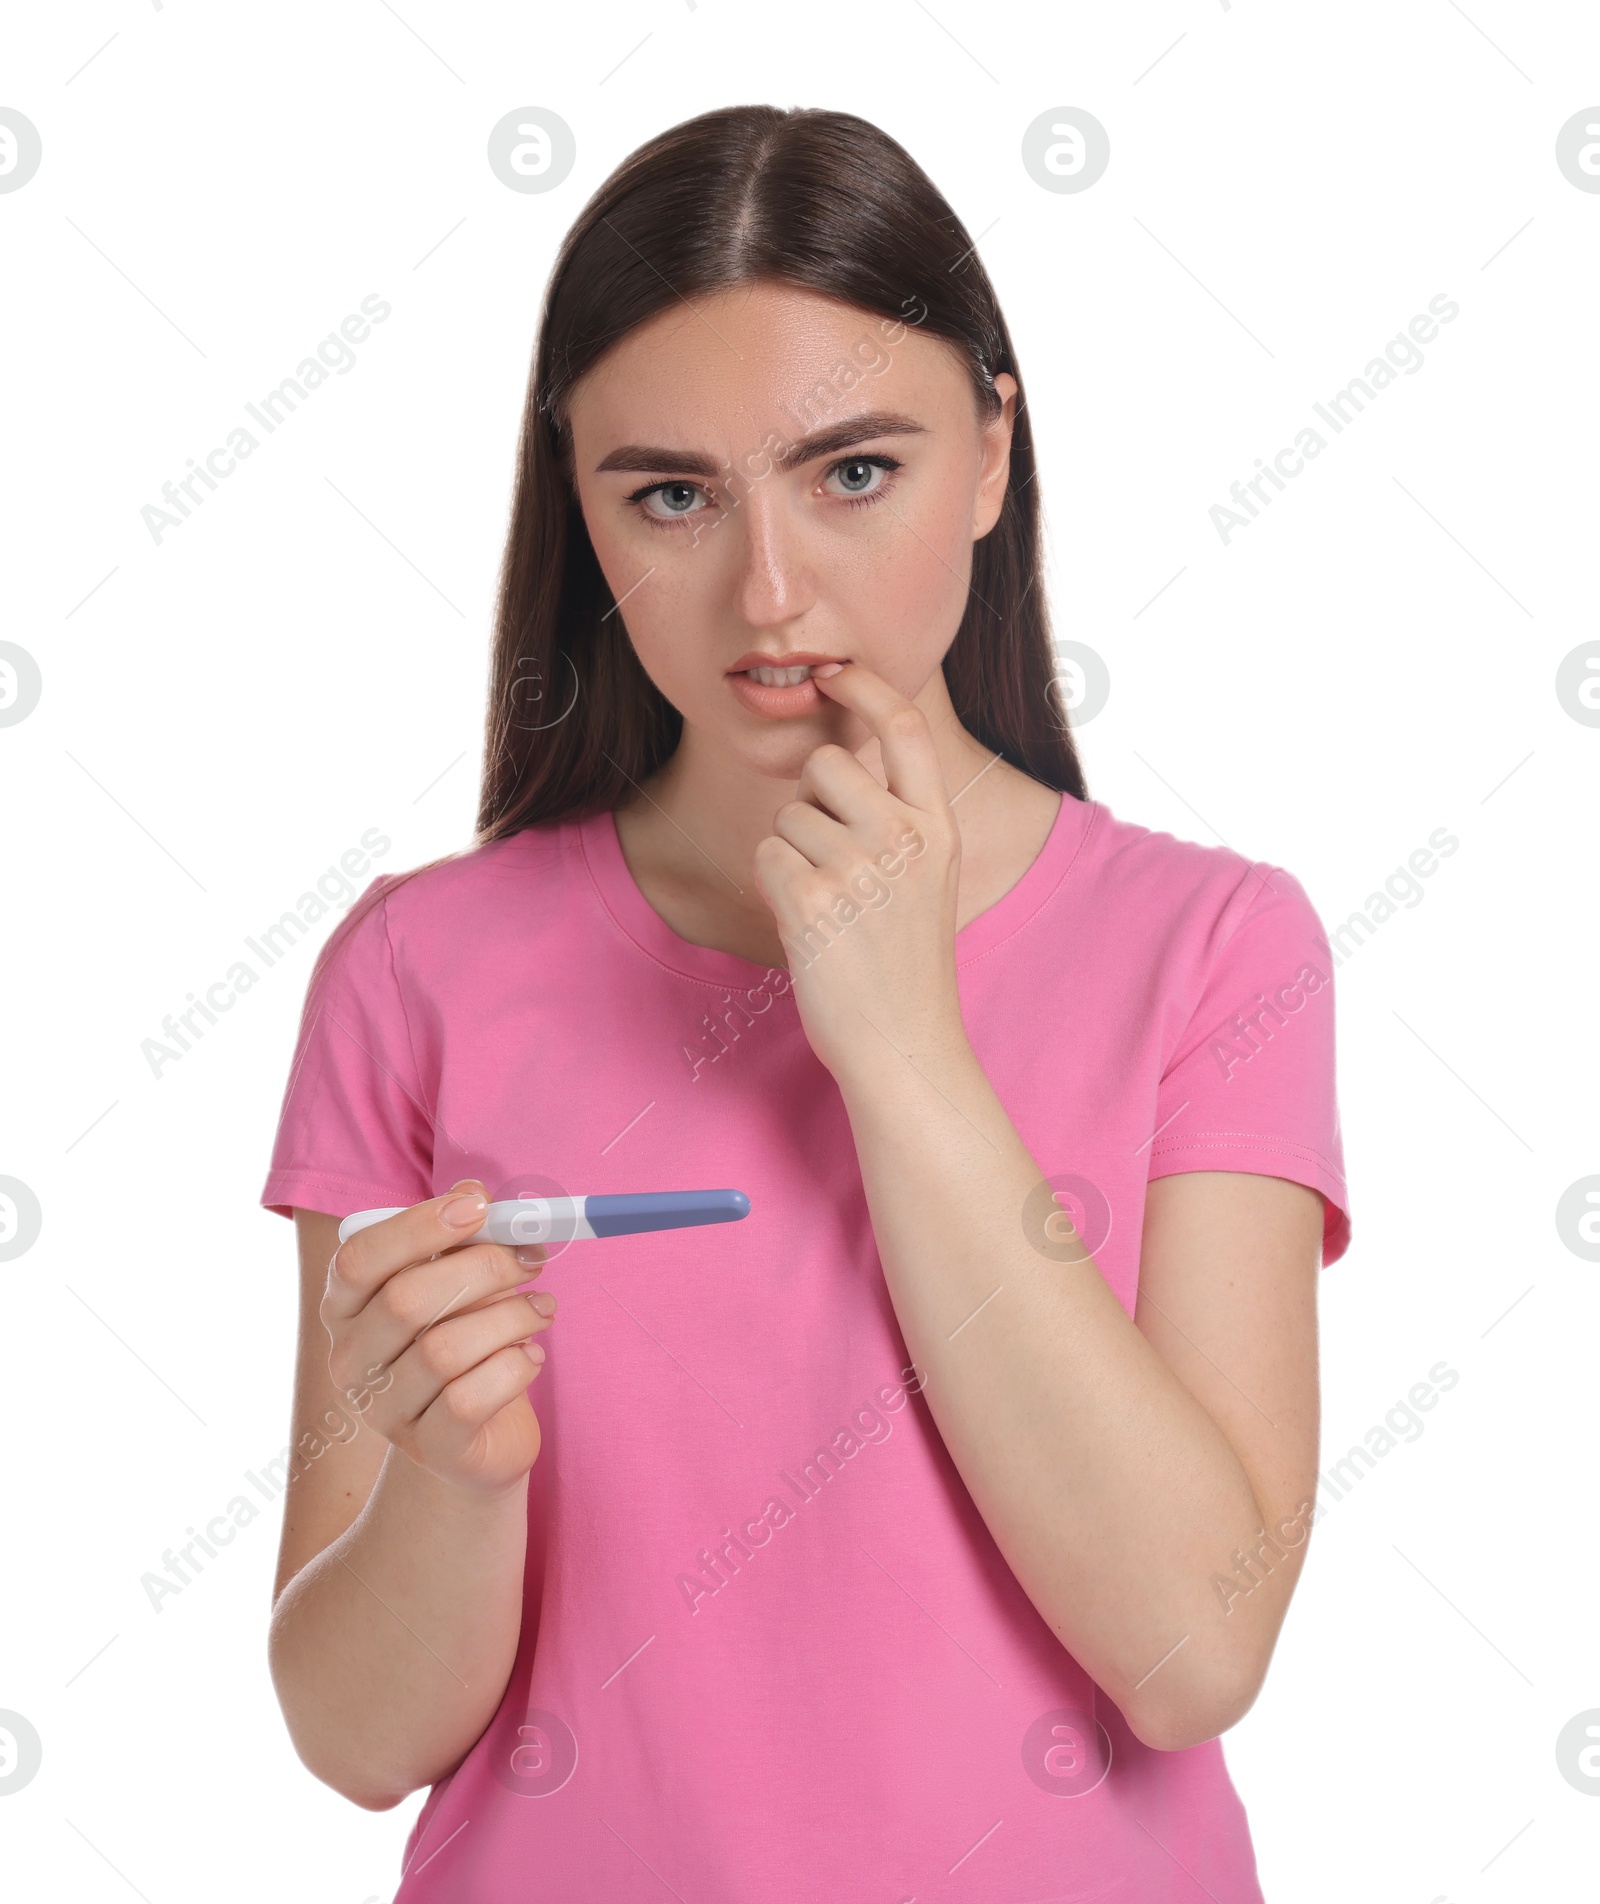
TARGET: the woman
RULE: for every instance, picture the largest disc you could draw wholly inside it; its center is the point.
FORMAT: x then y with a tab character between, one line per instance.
918	1535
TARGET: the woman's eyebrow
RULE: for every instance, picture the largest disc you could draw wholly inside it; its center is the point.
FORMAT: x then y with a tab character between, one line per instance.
843	435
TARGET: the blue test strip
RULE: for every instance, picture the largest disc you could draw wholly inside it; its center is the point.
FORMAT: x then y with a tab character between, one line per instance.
663	1210
573	1219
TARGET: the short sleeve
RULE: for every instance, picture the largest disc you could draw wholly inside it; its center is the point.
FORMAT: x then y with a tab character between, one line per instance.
1250	1085
354	1132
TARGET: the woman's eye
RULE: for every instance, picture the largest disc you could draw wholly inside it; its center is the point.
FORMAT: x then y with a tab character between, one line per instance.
863	479
676	499
860	476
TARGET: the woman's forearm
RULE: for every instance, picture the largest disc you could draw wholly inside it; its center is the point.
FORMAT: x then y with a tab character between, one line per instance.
1112	1493
391	1650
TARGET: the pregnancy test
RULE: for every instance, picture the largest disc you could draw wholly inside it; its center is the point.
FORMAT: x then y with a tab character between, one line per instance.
573	1219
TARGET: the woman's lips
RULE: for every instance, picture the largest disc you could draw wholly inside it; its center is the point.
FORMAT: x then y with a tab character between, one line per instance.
777	703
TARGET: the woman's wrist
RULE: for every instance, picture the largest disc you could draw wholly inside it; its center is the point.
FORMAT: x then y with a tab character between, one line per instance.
452	1503
884	1067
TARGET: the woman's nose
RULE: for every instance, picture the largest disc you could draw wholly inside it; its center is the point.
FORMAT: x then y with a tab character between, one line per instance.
776	580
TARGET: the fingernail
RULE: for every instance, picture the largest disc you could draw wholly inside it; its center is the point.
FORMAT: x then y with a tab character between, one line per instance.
463	1212
533	1256
827	668
532	1351
544	1302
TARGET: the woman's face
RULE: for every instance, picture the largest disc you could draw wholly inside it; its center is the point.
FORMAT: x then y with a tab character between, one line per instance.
771	477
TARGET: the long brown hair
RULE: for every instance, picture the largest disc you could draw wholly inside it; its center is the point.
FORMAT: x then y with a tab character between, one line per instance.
820	200
831	204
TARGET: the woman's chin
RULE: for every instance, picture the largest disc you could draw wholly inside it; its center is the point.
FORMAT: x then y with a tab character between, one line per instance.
776	749
781	754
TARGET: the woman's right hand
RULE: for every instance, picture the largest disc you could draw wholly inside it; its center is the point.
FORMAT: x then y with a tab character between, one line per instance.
431	1342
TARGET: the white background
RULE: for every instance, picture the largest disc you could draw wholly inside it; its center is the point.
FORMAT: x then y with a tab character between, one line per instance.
225	713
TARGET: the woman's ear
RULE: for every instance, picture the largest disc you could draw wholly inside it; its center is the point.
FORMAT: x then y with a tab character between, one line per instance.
995	471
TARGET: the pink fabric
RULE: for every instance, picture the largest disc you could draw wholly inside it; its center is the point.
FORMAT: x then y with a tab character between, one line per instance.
769	1649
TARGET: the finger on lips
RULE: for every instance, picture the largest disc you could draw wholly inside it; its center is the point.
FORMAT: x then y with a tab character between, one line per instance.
910	759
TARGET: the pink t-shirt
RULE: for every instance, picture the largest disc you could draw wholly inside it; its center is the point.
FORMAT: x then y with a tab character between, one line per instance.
769	1649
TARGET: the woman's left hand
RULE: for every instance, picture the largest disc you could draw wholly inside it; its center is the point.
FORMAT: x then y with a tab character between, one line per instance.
863	880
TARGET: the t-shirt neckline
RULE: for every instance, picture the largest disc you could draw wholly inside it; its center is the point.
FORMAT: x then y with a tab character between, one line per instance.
619	893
